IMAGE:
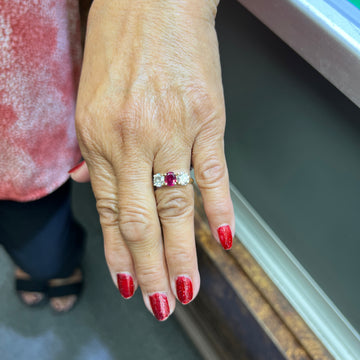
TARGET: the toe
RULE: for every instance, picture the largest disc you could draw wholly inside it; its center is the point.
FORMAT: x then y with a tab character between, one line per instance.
64	303
31	298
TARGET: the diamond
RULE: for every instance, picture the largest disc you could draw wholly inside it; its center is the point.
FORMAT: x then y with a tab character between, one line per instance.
183	178
158	180
170	179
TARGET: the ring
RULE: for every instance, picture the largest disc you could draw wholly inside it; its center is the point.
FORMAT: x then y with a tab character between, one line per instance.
171	179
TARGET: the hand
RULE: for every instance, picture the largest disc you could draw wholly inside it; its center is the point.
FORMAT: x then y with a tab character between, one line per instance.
151	101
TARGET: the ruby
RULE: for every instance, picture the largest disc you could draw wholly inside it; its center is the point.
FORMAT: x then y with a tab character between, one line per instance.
170	179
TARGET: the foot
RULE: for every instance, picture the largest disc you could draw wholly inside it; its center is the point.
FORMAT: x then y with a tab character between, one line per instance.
29	298
65	303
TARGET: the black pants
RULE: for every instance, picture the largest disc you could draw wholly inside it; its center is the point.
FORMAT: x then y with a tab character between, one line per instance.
41	236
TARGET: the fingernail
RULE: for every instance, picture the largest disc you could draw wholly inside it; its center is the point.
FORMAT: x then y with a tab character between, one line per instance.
184	289
225	236
76	167
160	306
126	285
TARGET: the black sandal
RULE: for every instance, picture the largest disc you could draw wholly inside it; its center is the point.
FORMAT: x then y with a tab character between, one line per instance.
31	285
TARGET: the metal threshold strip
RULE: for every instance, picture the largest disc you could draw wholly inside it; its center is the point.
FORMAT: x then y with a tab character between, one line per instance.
312	304
326	33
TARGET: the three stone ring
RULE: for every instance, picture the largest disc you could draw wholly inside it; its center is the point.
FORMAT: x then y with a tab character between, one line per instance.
171	178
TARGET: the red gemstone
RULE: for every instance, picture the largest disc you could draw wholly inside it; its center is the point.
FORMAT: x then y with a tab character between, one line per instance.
170	179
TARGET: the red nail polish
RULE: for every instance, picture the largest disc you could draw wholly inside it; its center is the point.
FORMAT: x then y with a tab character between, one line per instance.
76	167
160	306
126	285
184	289
225	236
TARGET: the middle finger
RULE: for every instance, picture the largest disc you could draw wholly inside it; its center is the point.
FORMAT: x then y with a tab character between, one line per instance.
140	228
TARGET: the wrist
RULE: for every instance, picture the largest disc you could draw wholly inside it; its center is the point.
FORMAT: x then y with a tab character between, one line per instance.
205	9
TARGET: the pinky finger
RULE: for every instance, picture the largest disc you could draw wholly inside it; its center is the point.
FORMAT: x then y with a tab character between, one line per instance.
213	180
120	262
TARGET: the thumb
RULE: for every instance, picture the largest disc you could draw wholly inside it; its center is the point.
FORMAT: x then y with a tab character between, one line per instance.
80	173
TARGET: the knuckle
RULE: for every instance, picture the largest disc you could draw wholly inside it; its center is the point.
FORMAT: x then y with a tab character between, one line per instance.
89	139
132	127
150	275
211	173
108	212
181	255
120	121
134	222
174	205
83	132
209	107
128	124
205	105
84	116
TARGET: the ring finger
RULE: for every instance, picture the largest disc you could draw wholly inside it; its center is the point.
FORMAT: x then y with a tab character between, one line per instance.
175	206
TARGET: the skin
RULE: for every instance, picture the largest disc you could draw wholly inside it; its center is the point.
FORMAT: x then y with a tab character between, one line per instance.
151	100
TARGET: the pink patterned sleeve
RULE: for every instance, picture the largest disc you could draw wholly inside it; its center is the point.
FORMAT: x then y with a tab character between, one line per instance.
40	60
